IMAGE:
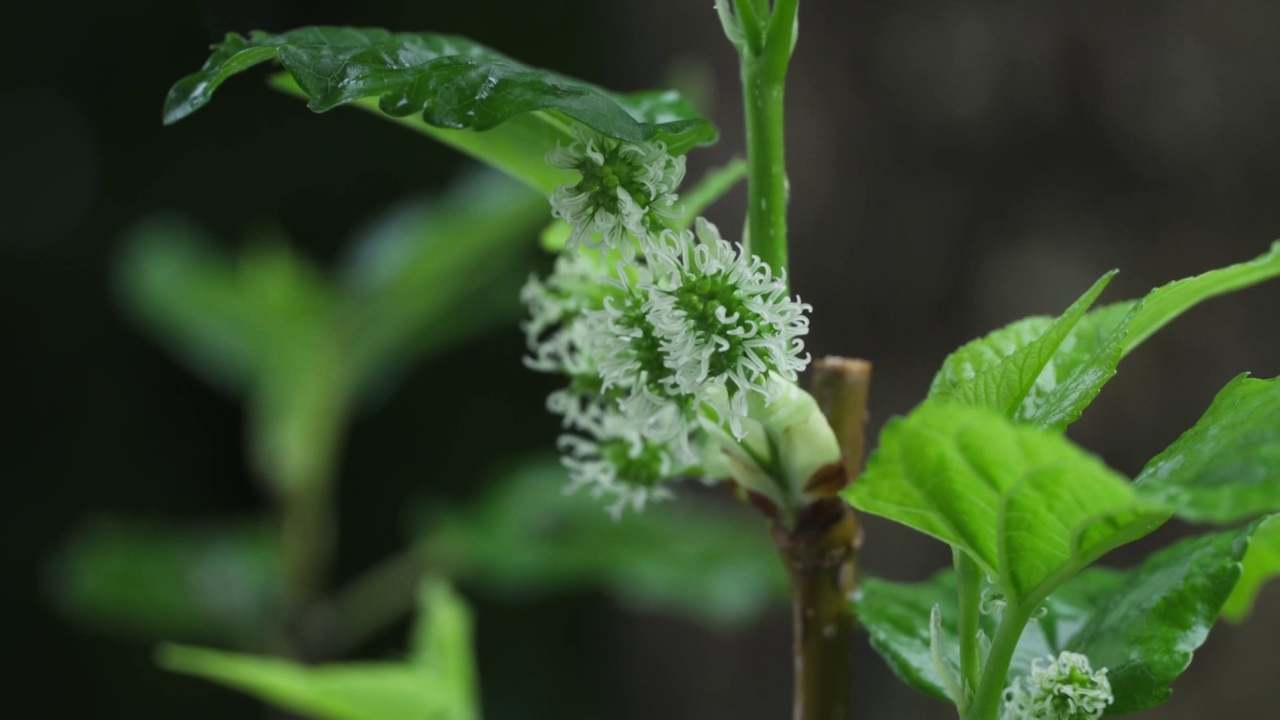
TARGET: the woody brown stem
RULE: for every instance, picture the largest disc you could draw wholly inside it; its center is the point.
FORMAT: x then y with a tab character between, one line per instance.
821	558
820	551
841	386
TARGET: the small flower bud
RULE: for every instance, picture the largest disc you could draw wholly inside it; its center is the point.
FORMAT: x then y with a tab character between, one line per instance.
1066	688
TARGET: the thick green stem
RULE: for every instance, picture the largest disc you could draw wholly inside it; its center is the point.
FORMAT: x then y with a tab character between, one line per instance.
764	74
969	581
766	164
986	702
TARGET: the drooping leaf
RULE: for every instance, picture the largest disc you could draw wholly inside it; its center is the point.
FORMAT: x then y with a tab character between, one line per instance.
697	559
436	683
1029	506
1261	563
1227	466
453	84
156	580
1146	631
999	371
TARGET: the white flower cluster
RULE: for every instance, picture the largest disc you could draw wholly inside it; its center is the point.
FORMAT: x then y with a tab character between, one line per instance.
1066	688
624	188
675	336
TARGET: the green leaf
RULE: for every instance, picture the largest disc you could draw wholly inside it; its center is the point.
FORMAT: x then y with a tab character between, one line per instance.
1142	624
896	615
1164	304
1086	358
428	274
1145	632
451	82
163	580
701	560
437	683
1029	506
175	283
1261	563
1000	370
442	640
1227	466
354	691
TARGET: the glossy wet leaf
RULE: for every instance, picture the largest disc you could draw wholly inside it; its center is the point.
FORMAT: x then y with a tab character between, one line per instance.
451	83
435	683
1227	466
1029	506
710	562
896	615
1146	632
167	580
1142	624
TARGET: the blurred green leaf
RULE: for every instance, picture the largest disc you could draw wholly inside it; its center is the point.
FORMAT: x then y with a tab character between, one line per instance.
162	580
441	642
437	683
303	349
454	84
190	295
431	273
1260	564
712	563
1142	624
1227	466
1000	370
1027	505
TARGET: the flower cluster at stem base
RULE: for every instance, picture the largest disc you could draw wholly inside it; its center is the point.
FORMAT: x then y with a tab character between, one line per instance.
1065	688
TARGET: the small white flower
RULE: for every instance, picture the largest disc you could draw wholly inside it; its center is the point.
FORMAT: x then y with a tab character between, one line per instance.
723	320
624	188
1066	688
626	469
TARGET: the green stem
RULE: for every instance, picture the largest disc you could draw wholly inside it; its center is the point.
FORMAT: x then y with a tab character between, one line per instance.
969	580
763	80
307	541
986	702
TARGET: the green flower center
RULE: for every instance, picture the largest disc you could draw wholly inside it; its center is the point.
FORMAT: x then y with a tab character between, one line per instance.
701	298
643	470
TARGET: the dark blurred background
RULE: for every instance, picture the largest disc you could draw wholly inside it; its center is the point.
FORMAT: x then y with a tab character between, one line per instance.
954	166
